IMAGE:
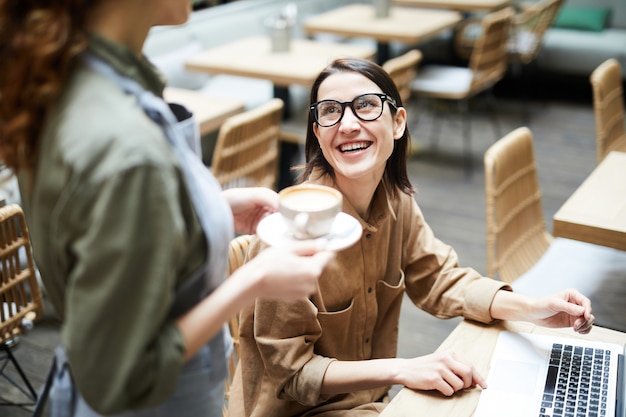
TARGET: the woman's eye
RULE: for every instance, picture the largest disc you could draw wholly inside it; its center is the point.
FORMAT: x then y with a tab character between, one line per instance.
330	109
364	103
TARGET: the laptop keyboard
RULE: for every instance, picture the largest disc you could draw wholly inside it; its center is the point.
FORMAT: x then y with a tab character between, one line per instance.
577	382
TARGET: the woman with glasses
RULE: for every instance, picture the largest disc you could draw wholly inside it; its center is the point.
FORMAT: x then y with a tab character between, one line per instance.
334	353
130	230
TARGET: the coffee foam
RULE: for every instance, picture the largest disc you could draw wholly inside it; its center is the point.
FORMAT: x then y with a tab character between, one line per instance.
309	199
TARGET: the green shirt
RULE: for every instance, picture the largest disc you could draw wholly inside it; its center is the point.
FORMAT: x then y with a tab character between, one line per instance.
114	233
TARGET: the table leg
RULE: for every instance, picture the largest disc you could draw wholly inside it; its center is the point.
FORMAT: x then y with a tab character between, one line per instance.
288	151
283	94
382	54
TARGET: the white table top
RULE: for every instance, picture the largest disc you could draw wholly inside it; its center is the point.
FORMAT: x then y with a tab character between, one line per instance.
596	211
410	25
476	342
461	5
209	111
252	57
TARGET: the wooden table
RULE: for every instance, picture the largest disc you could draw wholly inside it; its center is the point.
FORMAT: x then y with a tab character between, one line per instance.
460	5
252	57
209	111
300	65
407	25
596	211
475	343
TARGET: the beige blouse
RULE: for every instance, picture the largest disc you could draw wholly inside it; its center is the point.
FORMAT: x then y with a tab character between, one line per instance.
286	347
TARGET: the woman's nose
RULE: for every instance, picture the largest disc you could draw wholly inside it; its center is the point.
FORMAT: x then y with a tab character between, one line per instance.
349	121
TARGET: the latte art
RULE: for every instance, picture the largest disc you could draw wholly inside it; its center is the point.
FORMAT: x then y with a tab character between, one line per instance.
309	200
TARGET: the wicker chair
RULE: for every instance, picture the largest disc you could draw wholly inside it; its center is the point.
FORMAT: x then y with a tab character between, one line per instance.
525	39
528	29
608	105
521	251
21	300
487	66
247	150
526	36
402	70
237	252
516	231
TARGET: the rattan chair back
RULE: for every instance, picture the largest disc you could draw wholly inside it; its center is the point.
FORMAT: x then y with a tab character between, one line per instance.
21	300
525	37
247	150
516	230
237	253
528	29
402	70
488	60
608	105
20	293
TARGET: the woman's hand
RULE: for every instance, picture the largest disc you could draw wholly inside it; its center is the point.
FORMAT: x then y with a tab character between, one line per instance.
250	206
441	371
568	308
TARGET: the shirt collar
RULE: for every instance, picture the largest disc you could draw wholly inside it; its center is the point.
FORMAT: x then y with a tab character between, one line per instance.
128	63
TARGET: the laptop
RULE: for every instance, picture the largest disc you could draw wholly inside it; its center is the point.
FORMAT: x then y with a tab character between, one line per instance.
535	375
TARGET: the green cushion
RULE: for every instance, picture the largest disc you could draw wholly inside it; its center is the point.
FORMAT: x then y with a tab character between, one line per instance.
582	18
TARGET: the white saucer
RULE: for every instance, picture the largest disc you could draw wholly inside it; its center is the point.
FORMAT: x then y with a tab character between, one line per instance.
346	230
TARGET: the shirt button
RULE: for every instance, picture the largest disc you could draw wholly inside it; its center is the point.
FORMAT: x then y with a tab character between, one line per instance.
367	340
369	289
368	235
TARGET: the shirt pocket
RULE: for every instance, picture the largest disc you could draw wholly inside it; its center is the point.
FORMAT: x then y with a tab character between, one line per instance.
337	339
389	296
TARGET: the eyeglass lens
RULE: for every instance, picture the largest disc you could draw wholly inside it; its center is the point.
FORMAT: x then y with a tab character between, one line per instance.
366	107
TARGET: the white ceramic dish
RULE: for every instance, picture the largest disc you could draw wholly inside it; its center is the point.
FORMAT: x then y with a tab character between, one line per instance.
346	230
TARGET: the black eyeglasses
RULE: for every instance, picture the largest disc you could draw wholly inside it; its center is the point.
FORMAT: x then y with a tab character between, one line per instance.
366	107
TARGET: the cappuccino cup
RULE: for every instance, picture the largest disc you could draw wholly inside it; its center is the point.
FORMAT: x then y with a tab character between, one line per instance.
309	210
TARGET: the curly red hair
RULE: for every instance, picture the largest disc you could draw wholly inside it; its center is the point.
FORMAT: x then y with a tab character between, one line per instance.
39	43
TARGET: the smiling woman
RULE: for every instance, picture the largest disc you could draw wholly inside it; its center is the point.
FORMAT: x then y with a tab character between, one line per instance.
333	354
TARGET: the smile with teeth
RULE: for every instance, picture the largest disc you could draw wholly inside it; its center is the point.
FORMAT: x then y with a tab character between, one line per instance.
354	146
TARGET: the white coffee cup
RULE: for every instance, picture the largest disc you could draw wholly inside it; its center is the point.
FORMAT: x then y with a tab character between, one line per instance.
309	210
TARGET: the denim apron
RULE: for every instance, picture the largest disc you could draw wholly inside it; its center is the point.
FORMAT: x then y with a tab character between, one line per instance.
200	388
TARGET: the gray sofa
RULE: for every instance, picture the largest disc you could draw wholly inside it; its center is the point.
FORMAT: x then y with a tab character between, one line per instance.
577	51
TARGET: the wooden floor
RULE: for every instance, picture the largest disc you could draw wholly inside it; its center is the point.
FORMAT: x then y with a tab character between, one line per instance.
563	125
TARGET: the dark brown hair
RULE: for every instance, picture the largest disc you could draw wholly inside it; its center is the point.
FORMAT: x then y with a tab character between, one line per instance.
39	43
395	175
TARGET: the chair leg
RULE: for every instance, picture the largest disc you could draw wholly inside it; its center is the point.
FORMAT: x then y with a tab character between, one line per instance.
491	105
522	80
28	391
467	139
435	129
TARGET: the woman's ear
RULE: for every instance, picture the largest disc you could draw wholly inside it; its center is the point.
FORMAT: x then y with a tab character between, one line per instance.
316	130
399	123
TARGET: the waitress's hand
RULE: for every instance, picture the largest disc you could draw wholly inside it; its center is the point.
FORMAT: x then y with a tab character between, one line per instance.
288	274
250	205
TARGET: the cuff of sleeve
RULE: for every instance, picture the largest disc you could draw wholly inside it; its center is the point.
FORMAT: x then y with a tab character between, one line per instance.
479	297
306	386
170	363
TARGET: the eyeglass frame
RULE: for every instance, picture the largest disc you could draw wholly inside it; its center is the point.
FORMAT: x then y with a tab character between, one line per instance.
383	97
